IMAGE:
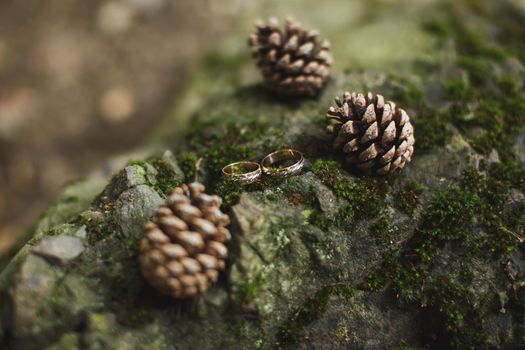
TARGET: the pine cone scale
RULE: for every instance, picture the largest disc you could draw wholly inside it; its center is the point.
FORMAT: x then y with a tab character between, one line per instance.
389	134
174	251
175	268
388	155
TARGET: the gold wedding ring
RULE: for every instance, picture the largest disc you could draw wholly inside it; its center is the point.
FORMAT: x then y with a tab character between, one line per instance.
242	172
283	163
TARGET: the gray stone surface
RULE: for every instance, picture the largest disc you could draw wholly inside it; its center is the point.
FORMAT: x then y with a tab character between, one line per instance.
520	147
59	249
35	282
134	207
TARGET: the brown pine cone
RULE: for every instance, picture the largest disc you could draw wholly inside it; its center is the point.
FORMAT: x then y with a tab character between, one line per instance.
376	137
293	61
183	248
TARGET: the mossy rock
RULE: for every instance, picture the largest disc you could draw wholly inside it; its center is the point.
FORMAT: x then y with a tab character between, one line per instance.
431	257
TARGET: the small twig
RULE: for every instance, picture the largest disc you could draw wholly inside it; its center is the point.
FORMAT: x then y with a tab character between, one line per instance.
520	238
197	170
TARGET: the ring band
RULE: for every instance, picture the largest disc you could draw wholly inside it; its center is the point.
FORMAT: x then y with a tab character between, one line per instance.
282	163
243	172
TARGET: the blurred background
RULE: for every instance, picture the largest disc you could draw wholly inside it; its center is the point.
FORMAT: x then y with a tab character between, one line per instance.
83	80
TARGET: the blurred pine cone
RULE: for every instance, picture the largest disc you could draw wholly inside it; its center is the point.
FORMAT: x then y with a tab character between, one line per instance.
376	137
293	61
183	248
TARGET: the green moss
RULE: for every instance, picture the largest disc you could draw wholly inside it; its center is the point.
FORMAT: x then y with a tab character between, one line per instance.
379	226
157	173
167	177
326	170
383	234
131	316
365	196
439	28
431	130
406	93
498	109
512	102
163	179
381	230
493	190
100	222
477	68
462	322
375	281
229	192
509	21
297	192
312	309
457	90
63	229
187	162
219	156
248	290
501	113
449	217
102	197
450	214
319	219
228	145
407	198
471	216
280	237
472	44
501	108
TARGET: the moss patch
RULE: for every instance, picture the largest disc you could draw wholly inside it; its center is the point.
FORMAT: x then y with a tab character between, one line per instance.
312	309
407	198
167	177
188	162
365	196
467	219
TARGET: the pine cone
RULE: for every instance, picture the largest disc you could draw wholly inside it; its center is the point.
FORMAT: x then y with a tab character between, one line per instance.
183	248
376	137
294	61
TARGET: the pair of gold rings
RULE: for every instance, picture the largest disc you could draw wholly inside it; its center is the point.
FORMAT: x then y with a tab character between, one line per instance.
282	163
